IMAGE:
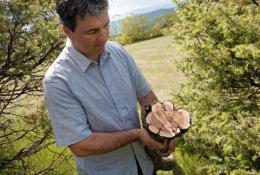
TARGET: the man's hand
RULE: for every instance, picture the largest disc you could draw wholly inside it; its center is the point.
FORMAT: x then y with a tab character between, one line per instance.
162	149
170	147
152	144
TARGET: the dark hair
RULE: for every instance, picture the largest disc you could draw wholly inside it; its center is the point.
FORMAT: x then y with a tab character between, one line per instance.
69	10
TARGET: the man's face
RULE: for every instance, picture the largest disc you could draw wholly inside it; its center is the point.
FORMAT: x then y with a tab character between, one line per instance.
91	34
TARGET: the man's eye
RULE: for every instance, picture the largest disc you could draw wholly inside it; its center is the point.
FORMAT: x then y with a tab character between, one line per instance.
107	25
92	32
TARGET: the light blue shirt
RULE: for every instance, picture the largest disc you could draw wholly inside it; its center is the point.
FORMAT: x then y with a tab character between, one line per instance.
84	97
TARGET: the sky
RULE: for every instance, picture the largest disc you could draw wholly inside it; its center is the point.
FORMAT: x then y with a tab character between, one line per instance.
120	7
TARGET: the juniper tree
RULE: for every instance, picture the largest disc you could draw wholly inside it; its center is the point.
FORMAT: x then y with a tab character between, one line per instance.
29	40
220	40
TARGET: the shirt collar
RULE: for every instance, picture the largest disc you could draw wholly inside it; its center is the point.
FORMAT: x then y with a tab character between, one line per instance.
82	61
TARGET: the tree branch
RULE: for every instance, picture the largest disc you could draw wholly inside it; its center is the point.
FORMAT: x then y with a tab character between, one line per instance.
25	152
255	2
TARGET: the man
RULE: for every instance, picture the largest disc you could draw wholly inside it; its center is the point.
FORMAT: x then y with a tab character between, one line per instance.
91	91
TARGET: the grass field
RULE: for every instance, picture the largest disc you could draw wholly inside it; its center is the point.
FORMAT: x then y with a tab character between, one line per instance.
155	58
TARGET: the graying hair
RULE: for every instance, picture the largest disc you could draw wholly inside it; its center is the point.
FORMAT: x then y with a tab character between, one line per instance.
69	10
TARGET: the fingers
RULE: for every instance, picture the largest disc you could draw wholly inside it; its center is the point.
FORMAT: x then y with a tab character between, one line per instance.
162	149
161	154
165	148
154	145
170	147
149	141
173	144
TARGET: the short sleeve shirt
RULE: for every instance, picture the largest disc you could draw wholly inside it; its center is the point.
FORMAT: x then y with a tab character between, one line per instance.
84	97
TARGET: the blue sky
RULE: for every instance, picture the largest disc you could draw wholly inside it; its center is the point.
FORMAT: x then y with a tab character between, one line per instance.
120	7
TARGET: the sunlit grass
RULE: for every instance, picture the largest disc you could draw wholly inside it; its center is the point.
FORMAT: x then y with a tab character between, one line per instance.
156	58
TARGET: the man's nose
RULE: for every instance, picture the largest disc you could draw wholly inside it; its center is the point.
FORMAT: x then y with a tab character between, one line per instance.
103	35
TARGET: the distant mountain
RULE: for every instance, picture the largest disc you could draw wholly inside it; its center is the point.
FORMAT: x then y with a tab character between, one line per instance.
152	13
152	16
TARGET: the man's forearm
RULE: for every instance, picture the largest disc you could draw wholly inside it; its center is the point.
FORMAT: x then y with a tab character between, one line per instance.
99	143
148	99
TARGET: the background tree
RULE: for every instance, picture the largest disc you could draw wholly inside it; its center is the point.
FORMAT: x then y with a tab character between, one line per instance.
133	29
165	23
139	27
220	41
29	41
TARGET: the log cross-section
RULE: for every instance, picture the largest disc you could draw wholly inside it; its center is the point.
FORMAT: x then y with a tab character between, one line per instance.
163	120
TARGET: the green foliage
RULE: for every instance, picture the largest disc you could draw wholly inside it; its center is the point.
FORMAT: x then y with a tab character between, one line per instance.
29	41
221	44
27	146
165	23
139	28
133	29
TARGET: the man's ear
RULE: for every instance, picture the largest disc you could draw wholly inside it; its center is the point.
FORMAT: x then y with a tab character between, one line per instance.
66	31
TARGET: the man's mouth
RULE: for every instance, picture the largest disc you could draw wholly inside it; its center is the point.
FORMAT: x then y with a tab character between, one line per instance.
100	44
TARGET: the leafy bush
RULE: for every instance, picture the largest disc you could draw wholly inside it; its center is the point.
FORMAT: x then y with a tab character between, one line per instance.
139	28
30	39
220	41
133	29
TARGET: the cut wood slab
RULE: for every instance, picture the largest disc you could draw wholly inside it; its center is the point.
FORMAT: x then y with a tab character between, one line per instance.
164	122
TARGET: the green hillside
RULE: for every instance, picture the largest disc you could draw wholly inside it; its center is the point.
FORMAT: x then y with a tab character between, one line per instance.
155	58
